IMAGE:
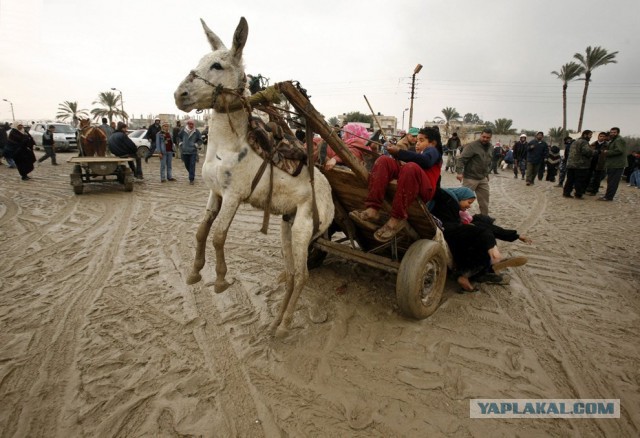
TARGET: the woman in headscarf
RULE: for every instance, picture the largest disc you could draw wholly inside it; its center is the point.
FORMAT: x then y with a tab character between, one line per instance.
472	244
20	148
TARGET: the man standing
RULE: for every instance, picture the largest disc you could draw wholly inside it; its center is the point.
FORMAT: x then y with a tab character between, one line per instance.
472	168
49	145
151	136
175	138
615	161
191	139
519	152
535	155
108	130
453	144
597	172
578	166
408	142
563	163
496	157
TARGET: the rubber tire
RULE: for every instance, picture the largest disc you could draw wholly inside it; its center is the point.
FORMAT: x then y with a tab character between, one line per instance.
128	180
77	175
424	266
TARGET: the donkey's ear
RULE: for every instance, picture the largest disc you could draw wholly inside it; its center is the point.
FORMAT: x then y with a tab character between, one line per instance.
240	38
216	43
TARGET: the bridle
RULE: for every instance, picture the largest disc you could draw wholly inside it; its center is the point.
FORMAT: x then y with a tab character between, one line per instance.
219	90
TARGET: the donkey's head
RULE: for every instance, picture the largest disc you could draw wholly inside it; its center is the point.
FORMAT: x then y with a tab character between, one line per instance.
220	68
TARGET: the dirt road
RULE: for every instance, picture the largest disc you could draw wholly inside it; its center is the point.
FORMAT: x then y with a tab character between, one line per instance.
102	337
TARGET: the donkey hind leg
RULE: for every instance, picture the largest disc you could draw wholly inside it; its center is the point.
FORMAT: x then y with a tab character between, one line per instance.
213	206
288	273
297	244
227	212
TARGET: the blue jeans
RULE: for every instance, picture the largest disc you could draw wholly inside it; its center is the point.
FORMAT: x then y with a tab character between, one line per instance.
634	178
189	161
165	166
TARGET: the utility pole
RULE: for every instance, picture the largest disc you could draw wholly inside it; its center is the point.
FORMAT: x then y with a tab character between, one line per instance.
413	87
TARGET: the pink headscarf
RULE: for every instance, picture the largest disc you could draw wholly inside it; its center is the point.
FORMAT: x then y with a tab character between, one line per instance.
350	129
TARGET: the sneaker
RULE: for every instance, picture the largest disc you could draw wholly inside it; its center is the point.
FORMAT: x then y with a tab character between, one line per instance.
172	179
191	183
163	180
26	178
54	164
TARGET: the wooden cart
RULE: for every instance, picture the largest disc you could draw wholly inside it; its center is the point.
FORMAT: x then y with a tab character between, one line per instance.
419	262
96	170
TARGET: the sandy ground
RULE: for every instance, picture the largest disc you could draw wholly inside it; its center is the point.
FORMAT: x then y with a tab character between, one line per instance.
102	337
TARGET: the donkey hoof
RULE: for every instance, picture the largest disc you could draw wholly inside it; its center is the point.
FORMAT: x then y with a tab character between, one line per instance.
221	286
193	278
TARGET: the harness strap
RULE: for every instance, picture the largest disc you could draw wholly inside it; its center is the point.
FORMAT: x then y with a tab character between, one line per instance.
311	166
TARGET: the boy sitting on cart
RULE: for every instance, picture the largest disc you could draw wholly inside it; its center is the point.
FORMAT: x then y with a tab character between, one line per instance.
417	173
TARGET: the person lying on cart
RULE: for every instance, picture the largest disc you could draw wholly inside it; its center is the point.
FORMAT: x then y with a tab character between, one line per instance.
472	239
417	173
122	146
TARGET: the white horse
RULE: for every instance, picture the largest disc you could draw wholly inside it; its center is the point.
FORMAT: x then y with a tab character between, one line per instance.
231	165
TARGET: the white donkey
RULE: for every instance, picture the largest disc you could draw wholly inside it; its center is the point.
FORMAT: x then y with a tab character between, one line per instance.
231	165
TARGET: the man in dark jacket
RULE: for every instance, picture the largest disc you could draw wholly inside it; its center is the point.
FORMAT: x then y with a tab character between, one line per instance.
122	146
519	152
615	161
578	166
151	136
597	171
472	168
563	163
536	153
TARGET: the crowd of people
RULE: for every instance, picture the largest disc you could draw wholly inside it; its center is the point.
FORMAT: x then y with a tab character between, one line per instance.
17	147
416	161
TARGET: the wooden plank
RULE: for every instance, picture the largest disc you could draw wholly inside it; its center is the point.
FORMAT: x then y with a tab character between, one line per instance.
356	255
83	160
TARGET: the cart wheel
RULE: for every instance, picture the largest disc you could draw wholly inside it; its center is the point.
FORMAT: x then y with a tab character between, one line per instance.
120	171
142	151
76	179
128	180
421	278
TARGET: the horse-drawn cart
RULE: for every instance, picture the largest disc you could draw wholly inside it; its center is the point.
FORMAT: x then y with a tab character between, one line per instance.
419	261
96	169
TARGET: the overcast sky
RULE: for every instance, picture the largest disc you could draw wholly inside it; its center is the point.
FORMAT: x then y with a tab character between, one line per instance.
491	57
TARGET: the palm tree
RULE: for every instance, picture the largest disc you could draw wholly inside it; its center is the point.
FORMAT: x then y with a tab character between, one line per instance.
109	102
558	134
595	57
69	110
503	126
450	115
568	72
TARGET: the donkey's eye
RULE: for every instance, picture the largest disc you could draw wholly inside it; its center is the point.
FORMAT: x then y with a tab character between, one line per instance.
216	66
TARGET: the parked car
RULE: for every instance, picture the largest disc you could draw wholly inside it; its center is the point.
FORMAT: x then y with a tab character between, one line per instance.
64	136
137	136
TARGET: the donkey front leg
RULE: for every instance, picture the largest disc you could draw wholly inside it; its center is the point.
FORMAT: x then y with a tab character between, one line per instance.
221	225
213	206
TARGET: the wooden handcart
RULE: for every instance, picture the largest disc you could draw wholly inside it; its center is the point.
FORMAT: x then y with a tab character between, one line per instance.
419	262
88	170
